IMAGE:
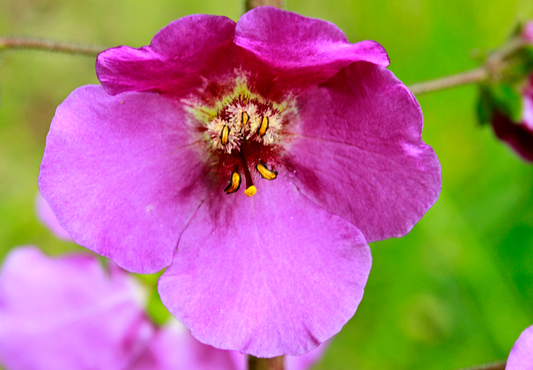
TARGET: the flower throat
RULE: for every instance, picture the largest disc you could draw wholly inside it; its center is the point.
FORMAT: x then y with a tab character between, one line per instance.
244	134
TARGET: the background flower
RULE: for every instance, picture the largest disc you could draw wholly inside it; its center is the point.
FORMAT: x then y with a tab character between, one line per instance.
521	356
519	136
68	313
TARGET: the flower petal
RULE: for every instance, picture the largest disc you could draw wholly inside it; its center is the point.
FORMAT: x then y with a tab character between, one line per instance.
307	360
521	356
47	217
269	275
68	313
303	51
179	60
519	136
358	152
122	175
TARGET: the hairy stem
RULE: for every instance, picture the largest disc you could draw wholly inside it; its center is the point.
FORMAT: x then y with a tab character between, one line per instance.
275	363
7	43
475	75
500	365
492	66
250	4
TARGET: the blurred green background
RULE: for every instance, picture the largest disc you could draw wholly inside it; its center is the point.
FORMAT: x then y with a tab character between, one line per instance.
457	291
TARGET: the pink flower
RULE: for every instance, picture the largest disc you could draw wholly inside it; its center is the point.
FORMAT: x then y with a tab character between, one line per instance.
174	348
146	170
519	136
67	313
521	356
527	32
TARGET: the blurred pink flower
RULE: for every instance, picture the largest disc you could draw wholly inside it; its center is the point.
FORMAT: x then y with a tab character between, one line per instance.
527	32
146	169
521	356
519	136
68	313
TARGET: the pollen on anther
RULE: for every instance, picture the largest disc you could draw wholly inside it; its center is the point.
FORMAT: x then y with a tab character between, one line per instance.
250	191
224	135
263	127
265	172
234	184
245	118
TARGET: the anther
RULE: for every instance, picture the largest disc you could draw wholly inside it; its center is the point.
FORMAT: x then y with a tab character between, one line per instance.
224	135
234	184
245	118
264	127
265	172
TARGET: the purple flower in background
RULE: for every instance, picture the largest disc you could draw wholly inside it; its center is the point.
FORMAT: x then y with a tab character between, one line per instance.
174	348
519	136
521	356
324	140
47	217
67	313
527	32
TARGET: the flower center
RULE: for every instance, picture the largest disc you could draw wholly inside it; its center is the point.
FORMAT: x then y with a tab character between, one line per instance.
244	134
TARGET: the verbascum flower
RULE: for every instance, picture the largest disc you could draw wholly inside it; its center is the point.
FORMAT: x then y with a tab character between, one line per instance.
521	356
174	348
255	160
518	135
68	313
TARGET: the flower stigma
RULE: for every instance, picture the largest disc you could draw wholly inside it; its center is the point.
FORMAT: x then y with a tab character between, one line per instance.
243	133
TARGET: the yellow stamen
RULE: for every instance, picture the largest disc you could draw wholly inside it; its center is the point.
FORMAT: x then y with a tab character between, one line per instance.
265	172
245	118
224	135
234	184
264	127
251	191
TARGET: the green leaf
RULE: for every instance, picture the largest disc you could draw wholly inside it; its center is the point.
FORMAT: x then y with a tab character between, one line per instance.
485	105
508	100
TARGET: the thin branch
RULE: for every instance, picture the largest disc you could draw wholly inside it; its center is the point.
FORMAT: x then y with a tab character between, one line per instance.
8	43
500	365
275	363
511	47
490	69
475	75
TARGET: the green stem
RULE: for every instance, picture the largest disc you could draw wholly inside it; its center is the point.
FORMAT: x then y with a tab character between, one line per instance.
9	43
275	363
473	76
495	62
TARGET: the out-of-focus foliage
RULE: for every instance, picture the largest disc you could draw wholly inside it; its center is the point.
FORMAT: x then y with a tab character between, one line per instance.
457	291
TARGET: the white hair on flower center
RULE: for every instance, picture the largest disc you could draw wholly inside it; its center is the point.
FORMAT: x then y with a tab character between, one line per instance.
224	135
241	120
